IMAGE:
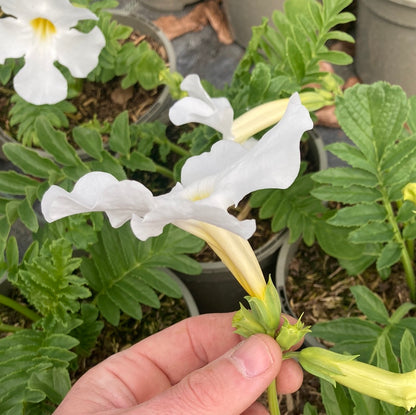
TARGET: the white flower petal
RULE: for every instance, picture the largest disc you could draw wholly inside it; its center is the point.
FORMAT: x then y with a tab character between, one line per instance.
60	12
176	210
273	163
201	108
98	191
79	52
39	81
220	157
15	37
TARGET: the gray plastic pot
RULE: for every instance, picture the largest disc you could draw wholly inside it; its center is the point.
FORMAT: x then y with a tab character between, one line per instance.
385	42
167	5
160	108
243	14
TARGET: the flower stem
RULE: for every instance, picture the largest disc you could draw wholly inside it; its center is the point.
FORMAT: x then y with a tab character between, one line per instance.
23	310
8	328
272	399
164	171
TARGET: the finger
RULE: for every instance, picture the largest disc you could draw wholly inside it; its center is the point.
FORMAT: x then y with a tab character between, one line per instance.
154	364
290	377
229	385
256	409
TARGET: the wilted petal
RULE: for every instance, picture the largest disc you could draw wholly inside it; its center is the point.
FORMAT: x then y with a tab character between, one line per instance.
79	52
201	108
95	192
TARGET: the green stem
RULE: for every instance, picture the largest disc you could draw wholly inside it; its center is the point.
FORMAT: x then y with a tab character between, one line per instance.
6	91
174	147
164	171
405	258
23	310
9	329
272	399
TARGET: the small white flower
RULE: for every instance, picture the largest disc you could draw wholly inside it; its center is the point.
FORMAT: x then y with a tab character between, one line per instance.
42	31
199	107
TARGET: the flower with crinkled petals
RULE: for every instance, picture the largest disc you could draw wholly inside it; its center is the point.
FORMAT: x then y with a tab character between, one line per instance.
210	183
42	32
199	107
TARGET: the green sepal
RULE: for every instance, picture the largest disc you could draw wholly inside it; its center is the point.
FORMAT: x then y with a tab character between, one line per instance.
264	316
290	334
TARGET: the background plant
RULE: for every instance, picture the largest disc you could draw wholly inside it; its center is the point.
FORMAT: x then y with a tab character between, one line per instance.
387	341
120	58
380	121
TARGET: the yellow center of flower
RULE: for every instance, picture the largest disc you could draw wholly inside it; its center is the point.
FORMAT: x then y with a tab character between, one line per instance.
44	28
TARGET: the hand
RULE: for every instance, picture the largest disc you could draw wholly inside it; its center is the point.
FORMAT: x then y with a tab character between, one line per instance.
198	366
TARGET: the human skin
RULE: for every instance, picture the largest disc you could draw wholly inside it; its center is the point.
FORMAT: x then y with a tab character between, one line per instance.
197	366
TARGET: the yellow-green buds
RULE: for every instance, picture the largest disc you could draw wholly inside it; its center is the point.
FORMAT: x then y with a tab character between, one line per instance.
396	388
264	316
290	334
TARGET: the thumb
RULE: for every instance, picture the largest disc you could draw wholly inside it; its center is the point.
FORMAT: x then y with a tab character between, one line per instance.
228	385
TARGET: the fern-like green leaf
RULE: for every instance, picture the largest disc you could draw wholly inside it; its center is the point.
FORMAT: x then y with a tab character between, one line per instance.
33	367
125	272
48	281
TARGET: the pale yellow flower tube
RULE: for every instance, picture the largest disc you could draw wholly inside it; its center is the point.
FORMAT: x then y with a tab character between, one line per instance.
268	114
235	252
395	388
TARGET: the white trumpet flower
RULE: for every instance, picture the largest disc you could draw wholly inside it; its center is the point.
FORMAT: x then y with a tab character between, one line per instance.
42	32
210	183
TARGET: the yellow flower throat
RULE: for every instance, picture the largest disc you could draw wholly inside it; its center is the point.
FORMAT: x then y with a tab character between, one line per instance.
44	28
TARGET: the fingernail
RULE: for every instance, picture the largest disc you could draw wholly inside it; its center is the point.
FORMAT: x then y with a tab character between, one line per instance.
252	357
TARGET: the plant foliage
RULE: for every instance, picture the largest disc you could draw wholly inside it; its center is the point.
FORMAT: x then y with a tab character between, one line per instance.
381	163
387	341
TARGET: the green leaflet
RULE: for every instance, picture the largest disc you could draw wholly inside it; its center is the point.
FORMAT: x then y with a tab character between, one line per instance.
33	367
380	339
380	164
125	272
49	283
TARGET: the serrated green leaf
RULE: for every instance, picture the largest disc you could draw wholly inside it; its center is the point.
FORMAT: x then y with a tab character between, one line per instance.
372	233
295	59
346	177
53	382
350	195
352	155
358	215
370	304
406	212
126	271
409	232
372	116
390	255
